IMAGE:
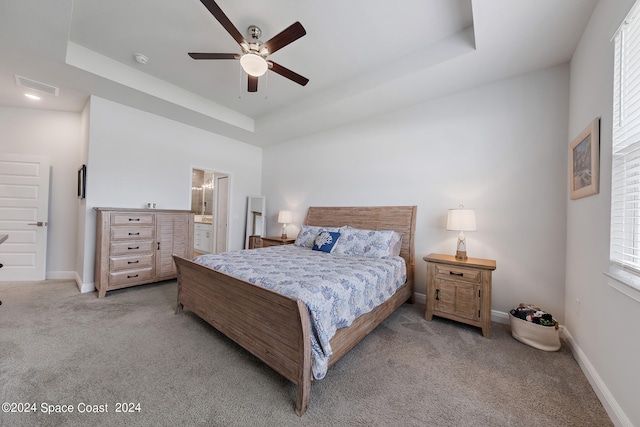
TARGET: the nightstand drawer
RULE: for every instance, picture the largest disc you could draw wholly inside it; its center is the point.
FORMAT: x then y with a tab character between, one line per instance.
451	272
131	233
275	241
255	242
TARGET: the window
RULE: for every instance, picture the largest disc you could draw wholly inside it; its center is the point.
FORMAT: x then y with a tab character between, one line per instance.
625	180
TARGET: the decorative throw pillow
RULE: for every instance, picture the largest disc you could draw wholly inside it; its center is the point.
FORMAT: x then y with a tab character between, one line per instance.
326	241
367	243
308	234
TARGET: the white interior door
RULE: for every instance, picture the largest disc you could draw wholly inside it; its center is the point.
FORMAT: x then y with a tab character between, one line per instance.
222	214
24	208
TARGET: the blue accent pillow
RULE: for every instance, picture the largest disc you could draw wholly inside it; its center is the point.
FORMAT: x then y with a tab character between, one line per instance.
326	241
308	234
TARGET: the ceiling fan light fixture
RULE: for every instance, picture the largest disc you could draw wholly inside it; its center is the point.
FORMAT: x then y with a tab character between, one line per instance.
253	64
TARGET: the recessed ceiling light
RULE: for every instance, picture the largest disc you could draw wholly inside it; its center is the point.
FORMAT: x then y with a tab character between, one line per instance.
30	96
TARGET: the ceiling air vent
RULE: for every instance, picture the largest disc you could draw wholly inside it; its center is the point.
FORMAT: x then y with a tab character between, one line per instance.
37	86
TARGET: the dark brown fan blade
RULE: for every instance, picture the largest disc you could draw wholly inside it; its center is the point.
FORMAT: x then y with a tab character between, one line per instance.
252	86
222	19
286	36
214	55
285	72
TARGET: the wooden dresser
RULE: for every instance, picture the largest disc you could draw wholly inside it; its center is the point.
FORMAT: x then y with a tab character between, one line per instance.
460	290
136	246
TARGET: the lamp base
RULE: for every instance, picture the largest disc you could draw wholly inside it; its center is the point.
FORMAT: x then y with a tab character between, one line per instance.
284	235
462	255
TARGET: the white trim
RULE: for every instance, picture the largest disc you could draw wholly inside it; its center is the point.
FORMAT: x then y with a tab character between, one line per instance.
623	281
87	287
84	287
420	298
615	412
500	317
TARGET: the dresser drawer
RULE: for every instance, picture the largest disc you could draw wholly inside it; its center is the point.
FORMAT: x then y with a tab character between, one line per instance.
124	278
132	247
451	272
131	233
132	219
119	263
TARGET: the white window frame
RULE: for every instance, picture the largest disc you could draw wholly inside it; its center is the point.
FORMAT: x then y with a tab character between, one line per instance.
625	171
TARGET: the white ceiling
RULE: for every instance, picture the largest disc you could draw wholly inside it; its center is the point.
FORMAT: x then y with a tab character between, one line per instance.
362	57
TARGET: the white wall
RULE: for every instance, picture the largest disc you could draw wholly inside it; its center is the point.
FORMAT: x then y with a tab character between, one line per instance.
604	328
499	149
56	135
136	157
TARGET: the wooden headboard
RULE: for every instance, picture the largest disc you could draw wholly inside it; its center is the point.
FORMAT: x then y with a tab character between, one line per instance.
398	218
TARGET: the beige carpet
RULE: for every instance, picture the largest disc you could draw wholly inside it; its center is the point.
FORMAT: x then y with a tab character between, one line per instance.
60	347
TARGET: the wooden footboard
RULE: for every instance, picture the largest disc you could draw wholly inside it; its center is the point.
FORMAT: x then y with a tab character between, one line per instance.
273	327
276	328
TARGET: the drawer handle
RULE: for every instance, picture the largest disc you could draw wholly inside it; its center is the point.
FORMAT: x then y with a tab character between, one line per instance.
134	219
456	274
132	277
137	247
134	234
437	294
133	262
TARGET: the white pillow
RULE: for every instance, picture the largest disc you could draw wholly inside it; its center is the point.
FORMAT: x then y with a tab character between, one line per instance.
367	243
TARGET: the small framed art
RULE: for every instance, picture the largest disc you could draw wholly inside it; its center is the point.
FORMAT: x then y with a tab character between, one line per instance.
584	162
82	178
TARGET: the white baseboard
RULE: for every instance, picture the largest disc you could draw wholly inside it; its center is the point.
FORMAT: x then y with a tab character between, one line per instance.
615	412
84	287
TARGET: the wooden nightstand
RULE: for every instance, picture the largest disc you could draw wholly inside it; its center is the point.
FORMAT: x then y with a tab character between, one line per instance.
275	241
460	290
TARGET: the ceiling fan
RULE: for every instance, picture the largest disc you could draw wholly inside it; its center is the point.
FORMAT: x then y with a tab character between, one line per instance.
253	58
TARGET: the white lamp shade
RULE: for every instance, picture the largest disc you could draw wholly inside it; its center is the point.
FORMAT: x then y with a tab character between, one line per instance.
461	220
253	64
285	217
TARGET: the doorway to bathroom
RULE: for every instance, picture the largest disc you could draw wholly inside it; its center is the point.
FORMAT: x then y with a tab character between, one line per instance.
210	204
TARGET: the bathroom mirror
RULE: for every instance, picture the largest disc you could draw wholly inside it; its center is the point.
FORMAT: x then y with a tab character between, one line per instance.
255	218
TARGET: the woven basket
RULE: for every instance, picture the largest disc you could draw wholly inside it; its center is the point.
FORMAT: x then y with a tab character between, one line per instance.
541	337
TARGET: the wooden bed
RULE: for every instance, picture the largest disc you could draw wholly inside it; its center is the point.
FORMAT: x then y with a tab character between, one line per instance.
275	328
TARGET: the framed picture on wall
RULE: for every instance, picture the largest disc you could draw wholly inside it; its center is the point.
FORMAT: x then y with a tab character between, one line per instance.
82	176
584	162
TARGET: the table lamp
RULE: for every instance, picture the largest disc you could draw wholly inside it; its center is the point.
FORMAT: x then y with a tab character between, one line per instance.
284	218
461	220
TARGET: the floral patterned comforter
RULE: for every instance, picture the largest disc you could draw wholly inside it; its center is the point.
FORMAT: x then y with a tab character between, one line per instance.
335	288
